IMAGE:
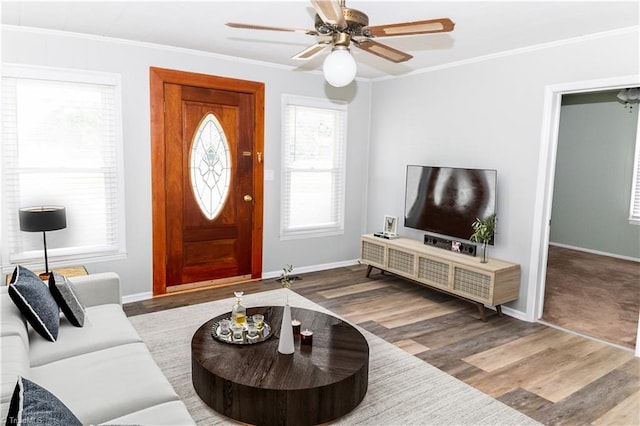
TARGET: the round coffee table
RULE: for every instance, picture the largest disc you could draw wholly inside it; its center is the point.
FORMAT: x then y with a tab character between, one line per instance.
256	384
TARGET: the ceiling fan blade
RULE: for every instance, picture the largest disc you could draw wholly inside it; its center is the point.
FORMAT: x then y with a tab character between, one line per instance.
311	51
264	27
410	28
384	51
330	12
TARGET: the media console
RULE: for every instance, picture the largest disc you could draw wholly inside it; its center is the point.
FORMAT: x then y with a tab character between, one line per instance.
492	283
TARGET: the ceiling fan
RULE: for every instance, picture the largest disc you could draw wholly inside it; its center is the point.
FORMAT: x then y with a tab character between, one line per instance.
340	27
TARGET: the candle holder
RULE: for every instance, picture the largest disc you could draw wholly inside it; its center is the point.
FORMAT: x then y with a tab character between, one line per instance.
306	337
296	327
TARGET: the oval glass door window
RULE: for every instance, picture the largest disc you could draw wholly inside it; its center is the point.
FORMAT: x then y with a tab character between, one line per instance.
210	166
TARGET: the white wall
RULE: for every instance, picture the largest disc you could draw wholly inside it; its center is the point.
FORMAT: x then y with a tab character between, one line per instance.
484	114
132	61
594	174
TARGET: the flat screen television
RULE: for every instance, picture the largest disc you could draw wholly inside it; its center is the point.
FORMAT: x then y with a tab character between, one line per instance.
447	200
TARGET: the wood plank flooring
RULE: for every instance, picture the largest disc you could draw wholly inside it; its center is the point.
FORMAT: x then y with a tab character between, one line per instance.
552	376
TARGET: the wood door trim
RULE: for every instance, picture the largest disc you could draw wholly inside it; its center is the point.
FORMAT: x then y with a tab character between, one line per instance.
157	78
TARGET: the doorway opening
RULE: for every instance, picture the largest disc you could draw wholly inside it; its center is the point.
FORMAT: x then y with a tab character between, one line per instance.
548	160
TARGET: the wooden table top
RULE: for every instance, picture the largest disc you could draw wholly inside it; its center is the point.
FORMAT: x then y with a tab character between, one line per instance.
256	384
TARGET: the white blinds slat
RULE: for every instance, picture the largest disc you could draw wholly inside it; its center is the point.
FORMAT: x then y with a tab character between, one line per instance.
634	205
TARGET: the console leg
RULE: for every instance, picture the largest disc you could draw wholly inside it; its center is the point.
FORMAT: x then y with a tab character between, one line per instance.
483	316
499	310
369	268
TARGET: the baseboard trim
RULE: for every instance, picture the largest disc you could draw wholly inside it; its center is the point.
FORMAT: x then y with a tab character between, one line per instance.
522	316
138	297
312	268
601	253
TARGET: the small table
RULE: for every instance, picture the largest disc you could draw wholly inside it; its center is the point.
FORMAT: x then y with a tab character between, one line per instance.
71	271
256	384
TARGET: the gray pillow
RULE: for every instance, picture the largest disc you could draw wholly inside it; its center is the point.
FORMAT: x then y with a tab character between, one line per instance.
32	404
33	298
63	293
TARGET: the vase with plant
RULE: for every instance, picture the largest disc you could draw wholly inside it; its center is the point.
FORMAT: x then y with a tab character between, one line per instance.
483	231
285	345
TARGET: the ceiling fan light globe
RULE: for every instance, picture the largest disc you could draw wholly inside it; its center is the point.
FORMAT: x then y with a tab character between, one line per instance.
339	68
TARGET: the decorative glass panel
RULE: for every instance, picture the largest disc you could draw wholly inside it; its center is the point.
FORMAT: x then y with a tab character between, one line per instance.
210	166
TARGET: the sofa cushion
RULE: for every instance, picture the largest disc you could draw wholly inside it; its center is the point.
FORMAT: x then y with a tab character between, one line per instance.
107	384
65	296
15	362
36	303
172	413
32	404
105	326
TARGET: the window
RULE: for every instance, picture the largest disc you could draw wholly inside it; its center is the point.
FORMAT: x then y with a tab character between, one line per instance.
314	133
62	145
210	166
634	205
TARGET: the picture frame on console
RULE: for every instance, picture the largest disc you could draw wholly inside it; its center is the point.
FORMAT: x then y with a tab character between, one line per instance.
390	227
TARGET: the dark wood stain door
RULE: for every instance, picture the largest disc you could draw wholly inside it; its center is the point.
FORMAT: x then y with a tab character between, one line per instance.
191	249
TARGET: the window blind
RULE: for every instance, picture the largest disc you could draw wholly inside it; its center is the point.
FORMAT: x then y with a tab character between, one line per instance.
62	146
634	205
314	133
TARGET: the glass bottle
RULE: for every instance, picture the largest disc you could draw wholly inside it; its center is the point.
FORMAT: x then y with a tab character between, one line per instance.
239	312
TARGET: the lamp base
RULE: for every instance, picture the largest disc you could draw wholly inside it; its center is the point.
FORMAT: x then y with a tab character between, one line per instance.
45	276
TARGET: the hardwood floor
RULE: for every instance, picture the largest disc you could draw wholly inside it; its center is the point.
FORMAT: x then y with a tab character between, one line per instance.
592	294
552	376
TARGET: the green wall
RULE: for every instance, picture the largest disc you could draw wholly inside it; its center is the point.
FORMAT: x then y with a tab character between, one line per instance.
594	171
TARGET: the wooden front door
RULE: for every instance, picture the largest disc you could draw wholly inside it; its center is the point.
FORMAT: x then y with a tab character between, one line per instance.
207	179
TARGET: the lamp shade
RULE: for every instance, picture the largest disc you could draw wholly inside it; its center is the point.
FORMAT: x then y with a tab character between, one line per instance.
42	218
339	67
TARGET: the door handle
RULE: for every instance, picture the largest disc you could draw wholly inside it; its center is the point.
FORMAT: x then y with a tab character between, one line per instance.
248	198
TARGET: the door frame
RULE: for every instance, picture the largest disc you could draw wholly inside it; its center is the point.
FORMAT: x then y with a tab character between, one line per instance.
546	179
157	78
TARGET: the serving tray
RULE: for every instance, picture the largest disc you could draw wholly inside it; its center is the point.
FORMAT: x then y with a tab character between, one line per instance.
263	335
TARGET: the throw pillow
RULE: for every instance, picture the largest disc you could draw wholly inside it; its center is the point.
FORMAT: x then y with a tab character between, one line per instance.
63	293
32	404
36	303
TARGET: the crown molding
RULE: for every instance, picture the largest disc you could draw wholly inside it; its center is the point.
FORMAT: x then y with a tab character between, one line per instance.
183	50
148	45
518	51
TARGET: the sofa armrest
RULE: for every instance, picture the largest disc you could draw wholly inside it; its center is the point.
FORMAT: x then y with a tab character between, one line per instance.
98	289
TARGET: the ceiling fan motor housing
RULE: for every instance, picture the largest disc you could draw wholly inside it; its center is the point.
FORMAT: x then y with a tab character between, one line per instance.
356	20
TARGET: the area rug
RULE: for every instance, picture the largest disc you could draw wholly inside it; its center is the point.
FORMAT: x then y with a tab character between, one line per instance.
403	390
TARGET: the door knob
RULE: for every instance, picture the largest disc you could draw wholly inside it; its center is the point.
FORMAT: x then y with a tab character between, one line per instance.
248	198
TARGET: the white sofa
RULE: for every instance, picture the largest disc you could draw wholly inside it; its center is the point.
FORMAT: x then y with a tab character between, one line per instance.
102	372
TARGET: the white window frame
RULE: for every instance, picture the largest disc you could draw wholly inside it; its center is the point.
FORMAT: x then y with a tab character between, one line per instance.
336	227
634	203
63	256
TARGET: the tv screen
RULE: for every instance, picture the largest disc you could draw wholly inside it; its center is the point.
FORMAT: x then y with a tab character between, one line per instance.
447	200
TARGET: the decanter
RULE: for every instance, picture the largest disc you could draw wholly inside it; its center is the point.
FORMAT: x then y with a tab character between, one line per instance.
239	312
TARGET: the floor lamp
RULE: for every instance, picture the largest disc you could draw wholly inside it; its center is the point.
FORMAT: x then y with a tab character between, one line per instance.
43	219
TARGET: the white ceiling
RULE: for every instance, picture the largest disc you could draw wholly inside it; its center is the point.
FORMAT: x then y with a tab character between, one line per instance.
482	28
